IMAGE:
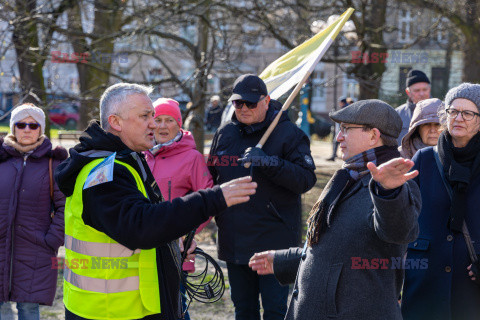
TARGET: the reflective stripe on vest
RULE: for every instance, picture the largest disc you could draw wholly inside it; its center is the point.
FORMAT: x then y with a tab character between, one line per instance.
102	278
98	249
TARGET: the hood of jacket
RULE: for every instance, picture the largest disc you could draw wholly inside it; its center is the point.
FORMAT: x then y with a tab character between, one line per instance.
423	113
185	143
93	138
274	108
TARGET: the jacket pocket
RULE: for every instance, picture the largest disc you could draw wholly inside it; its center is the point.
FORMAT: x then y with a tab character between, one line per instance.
332	285
271	208
419	244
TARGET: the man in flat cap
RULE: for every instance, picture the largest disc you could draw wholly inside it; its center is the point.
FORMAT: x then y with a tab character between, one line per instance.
283	170
351	265
417	89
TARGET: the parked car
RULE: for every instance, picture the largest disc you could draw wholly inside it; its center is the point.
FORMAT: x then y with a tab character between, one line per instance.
65	115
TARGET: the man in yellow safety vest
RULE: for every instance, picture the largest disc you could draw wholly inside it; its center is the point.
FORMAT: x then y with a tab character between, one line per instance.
121	257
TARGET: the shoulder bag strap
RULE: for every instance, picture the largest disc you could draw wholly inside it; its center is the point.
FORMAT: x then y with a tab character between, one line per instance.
466	234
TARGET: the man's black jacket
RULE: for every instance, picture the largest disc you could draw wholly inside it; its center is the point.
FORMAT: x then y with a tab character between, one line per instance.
120	210
271	220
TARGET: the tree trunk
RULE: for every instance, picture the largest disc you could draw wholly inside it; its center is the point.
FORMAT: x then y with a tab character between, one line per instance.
30	66
200	85
94	77
369	72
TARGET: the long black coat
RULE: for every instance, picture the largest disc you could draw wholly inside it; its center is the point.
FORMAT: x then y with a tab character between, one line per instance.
271	219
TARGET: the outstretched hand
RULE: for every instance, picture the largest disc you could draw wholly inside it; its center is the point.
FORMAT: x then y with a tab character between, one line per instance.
238	190
392	174
262	262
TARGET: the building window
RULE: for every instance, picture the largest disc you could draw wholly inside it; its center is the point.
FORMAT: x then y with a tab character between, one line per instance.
402	78
318	85
439	82
442	35
405	25
155	74
123	72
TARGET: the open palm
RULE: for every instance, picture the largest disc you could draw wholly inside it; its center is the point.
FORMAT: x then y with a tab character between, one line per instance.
392	174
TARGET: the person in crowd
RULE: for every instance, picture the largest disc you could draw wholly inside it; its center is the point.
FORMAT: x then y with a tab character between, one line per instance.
342	103
31	213
447	287
417	89
358	231
424	128
283	169
115	220
175	163
213	114
350	100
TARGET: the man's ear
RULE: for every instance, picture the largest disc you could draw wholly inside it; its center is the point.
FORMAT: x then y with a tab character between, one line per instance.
267	99
375	137
407	91
115	122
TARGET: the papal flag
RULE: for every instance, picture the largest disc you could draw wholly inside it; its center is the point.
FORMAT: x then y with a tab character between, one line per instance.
288	70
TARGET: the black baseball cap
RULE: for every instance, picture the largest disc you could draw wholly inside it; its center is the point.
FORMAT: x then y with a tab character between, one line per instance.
248	87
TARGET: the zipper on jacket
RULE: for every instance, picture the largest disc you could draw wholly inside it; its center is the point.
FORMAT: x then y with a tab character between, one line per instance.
13	242
170	190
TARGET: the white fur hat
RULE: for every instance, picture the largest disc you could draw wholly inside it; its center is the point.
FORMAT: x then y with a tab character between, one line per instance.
27	110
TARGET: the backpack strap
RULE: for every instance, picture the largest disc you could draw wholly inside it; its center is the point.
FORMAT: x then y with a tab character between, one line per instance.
466	233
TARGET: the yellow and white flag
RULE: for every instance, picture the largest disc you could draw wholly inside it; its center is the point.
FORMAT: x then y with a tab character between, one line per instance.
288	70
285	72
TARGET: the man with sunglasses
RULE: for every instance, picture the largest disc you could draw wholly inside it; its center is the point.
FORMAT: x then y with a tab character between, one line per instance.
283	169
352	264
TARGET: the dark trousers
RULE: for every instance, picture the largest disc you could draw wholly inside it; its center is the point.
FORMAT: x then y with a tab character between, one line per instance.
246	286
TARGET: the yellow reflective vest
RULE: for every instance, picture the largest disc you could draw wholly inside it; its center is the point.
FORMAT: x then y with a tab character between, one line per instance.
102	278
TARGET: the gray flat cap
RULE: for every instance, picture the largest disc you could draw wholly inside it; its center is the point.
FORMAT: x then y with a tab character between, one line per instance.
374	113
469	91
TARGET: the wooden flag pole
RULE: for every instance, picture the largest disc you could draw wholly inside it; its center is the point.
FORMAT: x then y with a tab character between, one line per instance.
285	107
333	34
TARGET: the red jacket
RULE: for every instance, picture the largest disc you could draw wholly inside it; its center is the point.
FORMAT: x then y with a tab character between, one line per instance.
179	169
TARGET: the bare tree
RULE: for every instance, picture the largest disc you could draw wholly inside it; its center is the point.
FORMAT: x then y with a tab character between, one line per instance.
465	16
31	38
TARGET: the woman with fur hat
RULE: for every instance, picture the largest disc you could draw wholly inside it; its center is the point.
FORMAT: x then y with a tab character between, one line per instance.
175	162
442	281
424	128
31	213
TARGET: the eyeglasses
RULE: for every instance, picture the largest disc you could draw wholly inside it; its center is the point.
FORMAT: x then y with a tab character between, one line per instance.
467	115
344	129
23	125
238	104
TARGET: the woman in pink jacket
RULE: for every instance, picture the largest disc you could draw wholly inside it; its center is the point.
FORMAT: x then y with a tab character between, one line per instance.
175	162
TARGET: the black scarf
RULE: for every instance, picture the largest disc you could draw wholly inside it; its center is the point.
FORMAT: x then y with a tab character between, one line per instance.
460	165
353	170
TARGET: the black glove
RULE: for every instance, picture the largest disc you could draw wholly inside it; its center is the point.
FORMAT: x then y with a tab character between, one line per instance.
258	158
255	156
476	271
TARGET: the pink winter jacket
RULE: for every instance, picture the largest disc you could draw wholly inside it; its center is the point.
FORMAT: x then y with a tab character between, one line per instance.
178	169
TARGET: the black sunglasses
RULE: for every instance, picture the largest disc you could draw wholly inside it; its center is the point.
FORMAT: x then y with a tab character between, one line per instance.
238	104
23	125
